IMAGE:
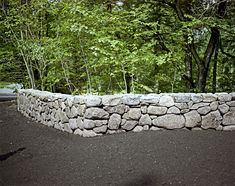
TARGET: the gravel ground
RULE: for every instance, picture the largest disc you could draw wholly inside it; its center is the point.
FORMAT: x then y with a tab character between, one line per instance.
34	154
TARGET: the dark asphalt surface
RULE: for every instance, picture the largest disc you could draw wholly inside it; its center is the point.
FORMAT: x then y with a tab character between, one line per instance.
7	97
33	154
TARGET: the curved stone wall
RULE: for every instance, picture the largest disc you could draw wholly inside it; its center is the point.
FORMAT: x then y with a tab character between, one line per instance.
91	115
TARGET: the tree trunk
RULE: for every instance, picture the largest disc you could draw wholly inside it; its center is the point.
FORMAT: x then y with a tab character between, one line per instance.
215	69
204	65
188	77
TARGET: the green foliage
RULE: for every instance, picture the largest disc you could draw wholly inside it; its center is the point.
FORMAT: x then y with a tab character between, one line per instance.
81	47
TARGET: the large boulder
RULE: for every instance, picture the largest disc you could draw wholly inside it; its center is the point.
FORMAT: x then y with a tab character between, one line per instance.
119	109
223	108
89	124
96	113
156	110
149	99
145	120
111	100
192	119
229	118
129	124
204	110
211	120
131	99
173	110
114	121
214	105
93	101
138	129
133	114
198	105
209	97
101	129
170	121
166	101
224	96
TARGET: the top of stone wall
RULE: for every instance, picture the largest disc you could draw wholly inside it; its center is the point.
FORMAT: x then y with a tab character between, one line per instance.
163	99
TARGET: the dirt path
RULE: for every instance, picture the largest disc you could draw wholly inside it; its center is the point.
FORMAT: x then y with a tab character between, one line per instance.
33	154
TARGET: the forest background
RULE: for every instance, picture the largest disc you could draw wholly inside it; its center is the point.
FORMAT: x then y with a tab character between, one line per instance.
108	47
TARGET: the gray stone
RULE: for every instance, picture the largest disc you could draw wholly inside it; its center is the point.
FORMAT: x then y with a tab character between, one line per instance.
208	97
99	123
211	120
231	103
129	124
89	124
181	105
232	109
93	101
149	99
123	122
59	126
196	128
138	129
166	101
69	101
80	109
223	108
229	118
78	132
173	110
62	117
146	127
182	98
156	128
133	114
67	128
145	120
131	99
79	100
115	131
50	124
224	97
170	121
88	133
156	110
204	110
114	121
72	112
198	105
73	124
214	105
232	95
119	109
144	109
192	119
196	98
219	128
80	123
153	117
190	104
229	128
62	105
101	129
96	113
112	100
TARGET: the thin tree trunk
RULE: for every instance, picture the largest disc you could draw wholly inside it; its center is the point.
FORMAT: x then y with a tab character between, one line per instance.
214	82
188	71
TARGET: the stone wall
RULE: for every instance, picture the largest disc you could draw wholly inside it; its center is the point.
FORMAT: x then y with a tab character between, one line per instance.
91	115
